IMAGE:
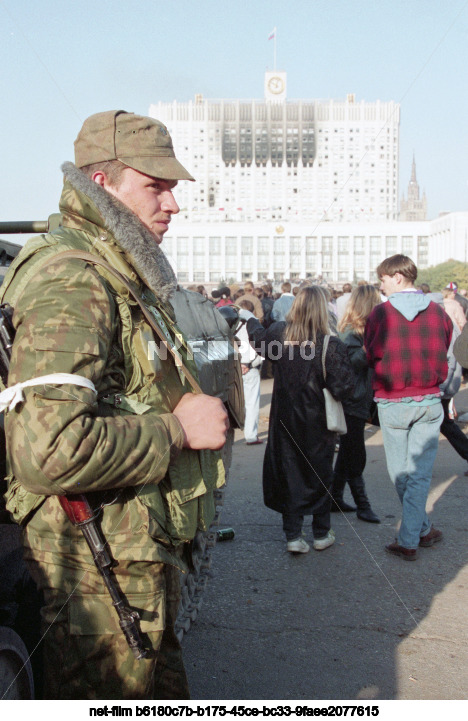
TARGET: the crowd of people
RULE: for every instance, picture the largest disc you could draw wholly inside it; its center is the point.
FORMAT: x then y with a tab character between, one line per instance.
93	418
356	343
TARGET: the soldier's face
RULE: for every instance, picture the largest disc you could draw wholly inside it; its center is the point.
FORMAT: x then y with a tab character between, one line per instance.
151	199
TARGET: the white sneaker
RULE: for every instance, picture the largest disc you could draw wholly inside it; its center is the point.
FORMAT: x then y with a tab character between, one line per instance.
320	544
298	546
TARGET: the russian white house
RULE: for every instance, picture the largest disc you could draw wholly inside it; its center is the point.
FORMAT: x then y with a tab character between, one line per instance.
295	189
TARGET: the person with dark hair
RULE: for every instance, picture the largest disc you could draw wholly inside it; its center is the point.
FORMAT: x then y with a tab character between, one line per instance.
267	305
406	341
298	463
222	296
267	302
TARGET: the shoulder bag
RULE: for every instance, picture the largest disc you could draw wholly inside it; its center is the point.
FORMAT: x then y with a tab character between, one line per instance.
334	410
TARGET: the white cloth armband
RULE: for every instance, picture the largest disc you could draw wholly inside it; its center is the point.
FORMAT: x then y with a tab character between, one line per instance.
13	395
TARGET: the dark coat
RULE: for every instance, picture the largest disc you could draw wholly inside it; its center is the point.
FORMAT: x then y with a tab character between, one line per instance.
267	305
360	402
298	464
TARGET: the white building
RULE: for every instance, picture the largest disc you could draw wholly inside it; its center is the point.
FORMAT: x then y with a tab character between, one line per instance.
294	189
339	252
282	160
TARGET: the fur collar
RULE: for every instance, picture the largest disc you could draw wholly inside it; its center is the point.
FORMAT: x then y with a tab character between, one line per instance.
133	237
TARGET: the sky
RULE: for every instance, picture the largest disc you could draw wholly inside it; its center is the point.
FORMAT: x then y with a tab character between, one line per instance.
62	61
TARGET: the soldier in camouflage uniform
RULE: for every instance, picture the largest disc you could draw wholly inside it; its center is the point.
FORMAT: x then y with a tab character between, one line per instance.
142	443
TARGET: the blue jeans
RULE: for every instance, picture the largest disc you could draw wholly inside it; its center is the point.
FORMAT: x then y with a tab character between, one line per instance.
411	437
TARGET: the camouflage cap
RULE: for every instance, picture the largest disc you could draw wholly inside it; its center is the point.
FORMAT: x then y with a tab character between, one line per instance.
142	143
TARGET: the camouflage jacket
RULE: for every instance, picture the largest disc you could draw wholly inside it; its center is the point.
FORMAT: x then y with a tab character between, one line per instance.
125	445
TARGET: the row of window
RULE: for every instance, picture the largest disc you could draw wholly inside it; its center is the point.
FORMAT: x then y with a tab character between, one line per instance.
265	244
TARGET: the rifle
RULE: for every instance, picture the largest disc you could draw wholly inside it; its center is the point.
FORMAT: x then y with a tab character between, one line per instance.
7	334
81	514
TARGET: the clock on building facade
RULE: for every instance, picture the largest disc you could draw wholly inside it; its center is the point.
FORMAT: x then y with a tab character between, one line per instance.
275	85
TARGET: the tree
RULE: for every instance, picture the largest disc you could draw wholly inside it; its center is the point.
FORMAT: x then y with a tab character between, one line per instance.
438	276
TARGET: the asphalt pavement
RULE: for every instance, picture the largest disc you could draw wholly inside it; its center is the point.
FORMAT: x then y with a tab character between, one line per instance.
350	622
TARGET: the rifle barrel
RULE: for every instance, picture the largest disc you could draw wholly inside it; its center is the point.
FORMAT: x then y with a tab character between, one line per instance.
24	226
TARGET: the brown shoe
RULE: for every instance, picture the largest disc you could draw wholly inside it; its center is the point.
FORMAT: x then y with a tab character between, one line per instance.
409	554
434	536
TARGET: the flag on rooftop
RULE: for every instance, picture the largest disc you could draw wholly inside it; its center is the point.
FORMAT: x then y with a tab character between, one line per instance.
272	34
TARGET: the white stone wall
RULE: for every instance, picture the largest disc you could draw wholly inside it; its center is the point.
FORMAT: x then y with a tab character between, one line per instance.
339	252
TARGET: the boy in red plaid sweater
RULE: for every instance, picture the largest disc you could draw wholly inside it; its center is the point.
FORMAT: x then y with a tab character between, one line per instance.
406	341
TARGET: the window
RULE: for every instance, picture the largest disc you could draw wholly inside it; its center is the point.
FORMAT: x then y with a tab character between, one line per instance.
168	249
183	262
390	245
343	244
246	246
198	262
407	244
215	246
278	262
231	246
278	245
215	263
359	262
343	261
199	246
295	245
182	246
327	261
263	244
311	243
375	243
327	244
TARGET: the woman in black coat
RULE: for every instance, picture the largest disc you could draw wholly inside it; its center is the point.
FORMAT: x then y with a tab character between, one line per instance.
351	459
298	464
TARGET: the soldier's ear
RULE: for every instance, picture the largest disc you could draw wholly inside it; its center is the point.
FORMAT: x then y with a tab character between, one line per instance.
100	178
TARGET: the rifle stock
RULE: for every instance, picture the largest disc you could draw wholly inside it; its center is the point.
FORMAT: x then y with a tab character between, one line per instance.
81	515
